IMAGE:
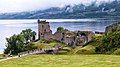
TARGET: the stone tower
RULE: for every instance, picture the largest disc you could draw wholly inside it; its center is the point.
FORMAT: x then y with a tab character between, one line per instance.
43	29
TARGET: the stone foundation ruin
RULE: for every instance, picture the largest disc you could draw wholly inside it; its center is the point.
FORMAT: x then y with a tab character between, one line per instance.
68	37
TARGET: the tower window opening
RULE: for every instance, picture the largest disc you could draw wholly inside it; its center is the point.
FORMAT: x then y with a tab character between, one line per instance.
42	26
45	30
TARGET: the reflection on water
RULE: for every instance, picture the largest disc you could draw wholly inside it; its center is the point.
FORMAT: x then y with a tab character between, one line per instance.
10	27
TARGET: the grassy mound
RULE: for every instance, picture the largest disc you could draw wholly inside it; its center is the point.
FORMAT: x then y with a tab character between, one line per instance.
89	49
73	51
47	44
117	52
65	50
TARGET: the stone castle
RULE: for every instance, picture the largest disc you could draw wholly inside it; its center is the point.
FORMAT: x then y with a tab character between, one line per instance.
68	37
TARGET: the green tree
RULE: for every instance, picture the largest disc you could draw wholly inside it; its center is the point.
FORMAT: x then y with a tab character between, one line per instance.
33	35
20	42
60	29
28	35
15	44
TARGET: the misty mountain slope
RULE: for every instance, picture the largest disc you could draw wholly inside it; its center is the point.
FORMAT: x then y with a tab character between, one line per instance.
103	10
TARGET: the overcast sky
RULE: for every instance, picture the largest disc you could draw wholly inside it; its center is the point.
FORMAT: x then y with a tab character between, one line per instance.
29	5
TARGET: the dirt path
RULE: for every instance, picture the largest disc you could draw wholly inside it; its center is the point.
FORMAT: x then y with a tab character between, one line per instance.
8	58
13	57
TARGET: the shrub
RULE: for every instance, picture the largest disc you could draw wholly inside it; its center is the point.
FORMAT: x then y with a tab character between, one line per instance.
60	29
109	41
117	52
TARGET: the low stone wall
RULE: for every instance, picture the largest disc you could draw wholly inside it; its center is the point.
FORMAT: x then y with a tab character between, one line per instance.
39	51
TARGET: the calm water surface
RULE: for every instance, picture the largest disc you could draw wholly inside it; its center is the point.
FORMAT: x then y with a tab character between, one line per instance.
10	27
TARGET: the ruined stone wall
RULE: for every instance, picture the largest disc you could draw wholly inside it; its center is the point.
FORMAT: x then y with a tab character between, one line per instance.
87	34
68	40
48	36
68	37
43	28
90	35
81	40
58	36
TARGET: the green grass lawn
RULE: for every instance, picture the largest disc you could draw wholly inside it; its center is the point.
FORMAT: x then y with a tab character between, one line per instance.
46	43
64	61
1	56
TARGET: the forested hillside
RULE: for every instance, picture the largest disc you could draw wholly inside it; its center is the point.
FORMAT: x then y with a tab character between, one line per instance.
94	10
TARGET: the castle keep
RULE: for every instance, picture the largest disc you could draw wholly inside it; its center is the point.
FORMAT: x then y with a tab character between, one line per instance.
43	29
66	36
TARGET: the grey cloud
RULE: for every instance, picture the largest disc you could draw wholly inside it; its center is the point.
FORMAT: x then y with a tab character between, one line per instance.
28	5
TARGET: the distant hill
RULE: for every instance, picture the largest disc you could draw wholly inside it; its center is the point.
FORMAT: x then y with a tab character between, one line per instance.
103	10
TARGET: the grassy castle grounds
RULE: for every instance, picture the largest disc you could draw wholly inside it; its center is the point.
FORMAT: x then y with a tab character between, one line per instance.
63	61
